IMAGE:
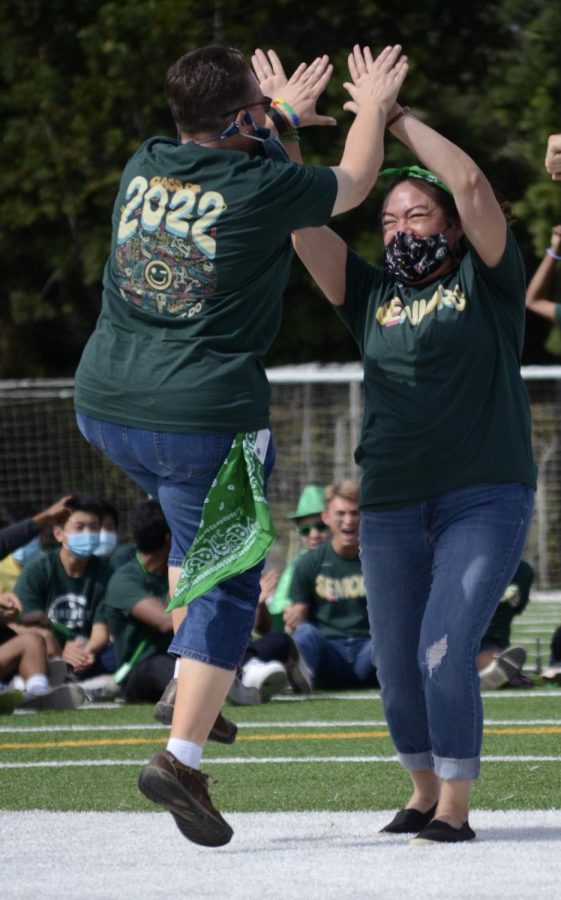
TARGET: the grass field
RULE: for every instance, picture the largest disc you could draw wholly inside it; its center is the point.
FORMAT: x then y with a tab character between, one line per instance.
328	752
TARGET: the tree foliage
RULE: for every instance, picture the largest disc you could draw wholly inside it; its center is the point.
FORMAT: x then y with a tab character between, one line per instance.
83	86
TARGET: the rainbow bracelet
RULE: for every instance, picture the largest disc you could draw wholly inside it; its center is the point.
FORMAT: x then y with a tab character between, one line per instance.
279	102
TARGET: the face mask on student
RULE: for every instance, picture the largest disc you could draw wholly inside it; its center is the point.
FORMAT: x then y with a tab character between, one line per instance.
29	551
108	540
82	544
409	258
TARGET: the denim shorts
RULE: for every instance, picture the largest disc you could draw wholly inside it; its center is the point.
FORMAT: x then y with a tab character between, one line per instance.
178	470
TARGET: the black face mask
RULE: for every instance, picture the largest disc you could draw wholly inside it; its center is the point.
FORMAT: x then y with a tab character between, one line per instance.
409	258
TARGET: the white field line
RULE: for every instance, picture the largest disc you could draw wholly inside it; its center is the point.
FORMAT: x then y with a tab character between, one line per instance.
315	723
259	760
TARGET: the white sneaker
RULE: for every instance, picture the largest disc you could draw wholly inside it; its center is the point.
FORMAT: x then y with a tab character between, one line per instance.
552	674
267	677
101	687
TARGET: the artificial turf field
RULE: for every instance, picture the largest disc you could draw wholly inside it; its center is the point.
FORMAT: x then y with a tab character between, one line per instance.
324	752
302	786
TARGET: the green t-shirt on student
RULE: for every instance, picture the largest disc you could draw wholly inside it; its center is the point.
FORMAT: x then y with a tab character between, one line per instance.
333	589
76	603
192	291
129	584
444	402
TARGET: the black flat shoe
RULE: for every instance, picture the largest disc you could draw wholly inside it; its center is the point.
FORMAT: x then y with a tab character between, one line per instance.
438	832
408	821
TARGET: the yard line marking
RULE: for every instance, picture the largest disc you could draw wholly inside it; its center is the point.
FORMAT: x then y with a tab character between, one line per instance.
251	738
262	760
308	723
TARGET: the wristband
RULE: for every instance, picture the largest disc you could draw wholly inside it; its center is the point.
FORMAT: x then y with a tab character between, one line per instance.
278	120
553	255
292	135
286	107
402	112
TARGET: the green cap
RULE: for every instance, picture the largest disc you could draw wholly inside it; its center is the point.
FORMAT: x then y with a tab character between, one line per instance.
310	502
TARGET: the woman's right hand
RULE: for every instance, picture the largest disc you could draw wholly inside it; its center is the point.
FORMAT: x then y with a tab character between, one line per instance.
375	82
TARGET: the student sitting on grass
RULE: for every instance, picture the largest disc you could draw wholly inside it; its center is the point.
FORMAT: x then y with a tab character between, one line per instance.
135	602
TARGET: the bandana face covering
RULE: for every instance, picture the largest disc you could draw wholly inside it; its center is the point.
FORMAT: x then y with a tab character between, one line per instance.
409	258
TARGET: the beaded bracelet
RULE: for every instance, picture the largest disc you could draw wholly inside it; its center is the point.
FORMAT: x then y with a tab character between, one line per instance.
553	255
279	102
292	135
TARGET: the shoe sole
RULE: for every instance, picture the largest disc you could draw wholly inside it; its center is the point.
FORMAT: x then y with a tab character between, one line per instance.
67	696
296	677
163	713
193	820
240	695
274	684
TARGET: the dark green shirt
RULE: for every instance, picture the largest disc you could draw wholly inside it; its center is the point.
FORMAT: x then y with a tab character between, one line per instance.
129	584
192	291
74	602
333	590
444	402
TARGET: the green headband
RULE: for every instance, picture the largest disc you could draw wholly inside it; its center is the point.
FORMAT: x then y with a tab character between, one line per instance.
415	172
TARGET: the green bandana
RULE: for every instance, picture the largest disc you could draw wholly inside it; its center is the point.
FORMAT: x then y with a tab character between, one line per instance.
415	172
236	528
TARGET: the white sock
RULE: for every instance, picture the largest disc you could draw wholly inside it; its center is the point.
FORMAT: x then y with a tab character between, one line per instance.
176	669
186	752
37	685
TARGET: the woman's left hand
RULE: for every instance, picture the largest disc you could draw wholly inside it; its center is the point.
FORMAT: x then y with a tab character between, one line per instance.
302	90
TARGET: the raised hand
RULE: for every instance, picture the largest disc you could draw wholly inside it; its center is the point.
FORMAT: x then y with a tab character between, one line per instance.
302	90
375	81
553	157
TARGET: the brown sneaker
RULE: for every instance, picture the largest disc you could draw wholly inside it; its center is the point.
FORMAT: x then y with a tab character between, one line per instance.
184	792
223	731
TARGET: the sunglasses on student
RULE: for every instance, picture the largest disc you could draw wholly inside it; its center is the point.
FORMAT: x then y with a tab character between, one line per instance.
265	103
306	530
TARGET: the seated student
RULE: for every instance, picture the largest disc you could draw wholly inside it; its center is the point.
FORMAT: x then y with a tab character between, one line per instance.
539	293
25	655
109	538
68	586
20	537
553	672
328	615
135	603
312	532
500	664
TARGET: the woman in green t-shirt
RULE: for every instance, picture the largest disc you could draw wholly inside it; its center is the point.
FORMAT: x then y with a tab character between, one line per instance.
448	475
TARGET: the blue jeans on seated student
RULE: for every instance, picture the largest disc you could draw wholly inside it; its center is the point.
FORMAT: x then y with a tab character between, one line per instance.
336	663
178	471
434	573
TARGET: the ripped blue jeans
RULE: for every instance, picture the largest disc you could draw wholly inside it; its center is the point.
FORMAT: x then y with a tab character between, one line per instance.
435	572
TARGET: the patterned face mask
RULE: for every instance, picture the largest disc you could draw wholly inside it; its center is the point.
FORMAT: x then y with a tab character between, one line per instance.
409	258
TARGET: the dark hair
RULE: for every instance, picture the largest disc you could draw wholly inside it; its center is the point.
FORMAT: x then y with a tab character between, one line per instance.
202	85
83	503
443	200
148	526
107	509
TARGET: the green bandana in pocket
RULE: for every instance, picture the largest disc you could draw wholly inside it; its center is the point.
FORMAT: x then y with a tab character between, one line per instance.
236	528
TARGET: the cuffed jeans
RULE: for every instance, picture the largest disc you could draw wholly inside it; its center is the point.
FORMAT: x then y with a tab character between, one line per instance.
178	471
435	573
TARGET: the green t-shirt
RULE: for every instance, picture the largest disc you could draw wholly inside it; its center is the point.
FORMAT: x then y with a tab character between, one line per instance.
129	584
192	291
444	402
74	602
333	589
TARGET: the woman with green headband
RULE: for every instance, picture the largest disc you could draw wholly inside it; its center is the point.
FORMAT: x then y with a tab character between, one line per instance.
448	475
